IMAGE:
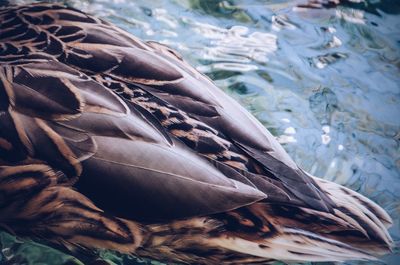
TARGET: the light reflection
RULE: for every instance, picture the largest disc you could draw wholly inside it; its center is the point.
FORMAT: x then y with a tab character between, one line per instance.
281	22
162	15
290	130
235	46
351	15
325	138
334	42
286	139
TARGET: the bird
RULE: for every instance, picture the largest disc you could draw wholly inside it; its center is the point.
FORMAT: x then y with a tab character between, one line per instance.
111	142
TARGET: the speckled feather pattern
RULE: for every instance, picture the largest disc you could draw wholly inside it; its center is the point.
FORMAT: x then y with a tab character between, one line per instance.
110	142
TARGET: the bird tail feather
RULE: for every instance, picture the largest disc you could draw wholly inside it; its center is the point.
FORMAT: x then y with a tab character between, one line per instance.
356	230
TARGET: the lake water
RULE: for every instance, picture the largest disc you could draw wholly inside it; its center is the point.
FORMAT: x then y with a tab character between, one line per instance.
325	82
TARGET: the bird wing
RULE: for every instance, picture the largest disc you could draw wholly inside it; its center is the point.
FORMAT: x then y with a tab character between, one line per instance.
154	79
232	120
110	152
86	106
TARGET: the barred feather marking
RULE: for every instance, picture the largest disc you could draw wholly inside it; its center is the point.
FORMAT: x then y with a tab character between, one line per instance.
122	100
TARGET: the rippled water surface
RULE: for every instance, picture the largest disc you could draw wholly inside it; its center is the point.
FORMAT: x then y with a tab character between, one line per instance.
325	82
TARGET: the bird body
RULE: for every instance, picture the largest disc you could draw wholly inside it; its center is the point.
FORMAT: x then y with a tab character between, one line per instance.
110	142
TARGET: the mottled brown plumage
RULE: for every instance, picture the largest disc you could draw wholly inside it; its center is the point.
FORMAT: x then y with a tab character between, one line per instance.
110	142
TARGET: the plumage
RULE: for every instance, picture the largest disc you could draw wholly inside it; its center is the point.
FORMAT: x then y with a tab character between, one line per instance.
110	142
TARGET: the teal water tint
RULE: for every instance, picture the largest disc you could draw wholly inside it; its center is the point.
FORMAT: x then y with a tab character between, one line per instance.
325	82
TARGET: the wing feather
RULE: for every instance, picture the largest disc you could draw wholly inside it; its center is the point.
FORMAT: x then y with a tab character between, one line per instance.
139	170
144	135
205	118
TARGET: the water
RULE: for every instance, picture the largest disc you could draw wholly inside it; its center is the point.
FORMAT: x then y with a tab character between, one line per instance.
325	82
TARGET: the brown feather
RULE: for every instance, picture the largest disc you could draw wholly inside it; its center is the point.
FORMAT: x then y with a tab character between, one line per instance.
107	141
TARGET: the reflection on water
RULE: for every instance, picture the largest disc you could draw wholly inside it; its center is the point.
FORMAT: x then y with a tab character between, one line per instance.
324	81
